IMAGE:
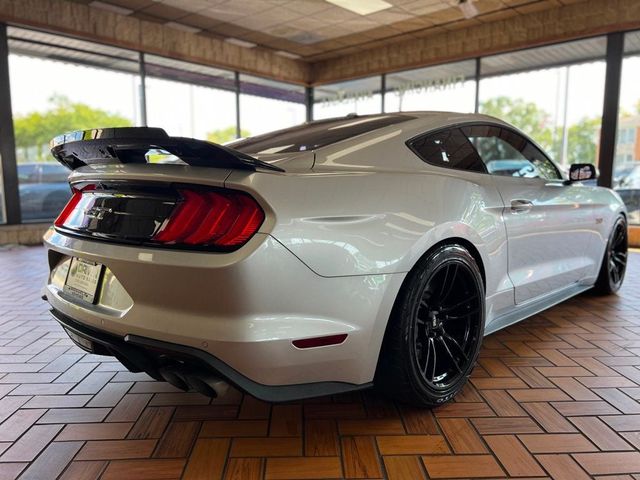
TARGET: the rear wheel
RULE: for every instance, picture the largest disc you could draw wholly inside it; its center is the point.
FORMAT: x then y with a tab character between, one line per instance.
435	331
614	262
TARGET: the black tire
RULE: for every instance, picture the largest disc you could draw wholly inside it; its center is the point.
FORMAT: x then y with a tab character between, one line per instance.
614	260
446	288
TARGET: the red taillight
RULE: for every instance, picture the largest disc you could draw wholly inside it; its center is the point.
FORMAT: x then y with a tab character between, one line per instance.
222	219
69	207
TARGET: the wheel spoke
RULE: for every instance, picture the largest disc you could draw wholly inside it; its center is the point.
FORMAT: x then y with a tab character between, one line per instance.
451	355
427	355
619	237
444	282
620	258
457	345
432	344
452	282
458	305
465	315
614	272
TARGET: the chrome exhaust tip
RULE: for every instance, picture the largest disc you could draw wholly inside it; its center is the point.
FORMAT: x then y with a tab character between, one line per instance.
194	381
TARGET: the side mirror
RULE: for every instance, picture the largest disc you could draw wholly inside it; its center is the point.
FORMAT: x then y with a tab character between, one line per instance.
581	172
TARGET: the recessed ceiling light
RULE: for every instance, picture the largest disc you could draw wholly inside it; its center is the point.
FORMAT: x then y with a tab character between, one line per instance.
240	43
183	27
469	10
282	53
111	8
362	7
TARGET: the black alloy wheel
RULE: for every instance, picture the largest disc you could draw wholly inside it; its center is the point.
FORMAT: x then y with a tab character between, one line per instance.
436	329
614	263
446	326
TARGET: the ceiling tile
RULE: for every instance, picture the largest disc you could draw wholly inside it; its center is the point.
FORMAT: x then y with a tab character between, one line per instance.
199	21
161	10
130	4
318	29
308	7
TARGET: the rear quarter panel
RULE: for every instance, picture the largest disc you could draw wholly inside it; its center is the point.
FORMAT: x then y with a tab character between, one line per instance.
345	219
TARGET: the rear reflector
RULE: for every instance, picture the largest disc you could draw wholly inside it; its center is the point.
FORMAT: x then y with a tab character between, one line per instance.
222	219
320	341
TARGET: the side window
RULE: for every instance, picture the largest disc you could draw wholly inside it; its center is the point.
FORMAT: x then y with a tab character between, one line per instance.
506	153
449	149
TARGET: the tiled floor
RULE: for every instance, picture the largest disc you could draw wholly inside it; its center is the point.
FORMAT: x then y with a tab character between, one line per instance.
554	396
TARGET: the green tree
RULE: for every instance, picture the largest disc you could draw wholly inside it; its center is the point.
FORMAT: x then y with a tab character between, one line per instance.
527	116
224	135
582	139
34	130
535	122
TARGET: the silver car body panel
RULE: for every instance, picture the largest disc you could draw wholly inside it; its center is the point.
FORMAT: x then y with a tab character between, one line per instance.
344	225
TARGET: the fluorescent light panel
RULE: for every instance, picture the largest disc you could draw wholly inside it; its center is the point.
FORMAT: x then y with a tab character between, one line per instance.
240	43
469	10
362	7
282	53
183	27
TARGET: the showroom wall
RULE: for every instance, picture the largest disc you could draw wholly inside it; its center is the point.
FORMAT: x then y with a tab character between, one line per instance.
555	93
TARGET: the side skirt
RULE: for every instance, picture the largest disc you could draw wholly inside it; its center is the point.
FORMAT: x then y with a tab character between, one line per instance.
528	309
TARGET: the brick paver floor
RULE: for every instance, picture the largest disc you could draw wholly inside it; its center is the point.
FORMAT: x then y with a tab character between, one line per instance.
554	396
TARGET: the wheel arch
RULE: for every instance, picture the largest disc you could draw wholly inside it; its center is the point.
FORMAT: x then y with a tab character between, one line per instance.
449	241
463	242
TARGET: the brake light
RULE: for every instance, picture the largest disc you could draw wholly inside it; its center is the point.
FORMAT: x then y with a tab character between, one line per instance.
69	207
222	219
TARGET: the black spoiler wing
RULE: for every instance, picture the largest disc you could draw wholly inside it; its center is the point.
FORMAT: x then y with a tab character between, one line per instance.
131	144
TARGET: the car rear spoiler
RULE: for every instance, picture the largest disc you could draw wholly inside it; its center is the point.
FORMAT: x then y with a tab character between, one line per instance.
131	145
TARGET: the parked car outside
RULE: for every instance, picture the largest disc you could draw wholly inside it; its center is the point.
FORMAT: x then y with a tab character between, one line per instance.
44	190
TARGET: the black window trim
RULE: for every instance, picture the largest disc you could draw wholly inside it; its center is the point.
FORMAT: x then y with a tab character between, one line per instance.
482	123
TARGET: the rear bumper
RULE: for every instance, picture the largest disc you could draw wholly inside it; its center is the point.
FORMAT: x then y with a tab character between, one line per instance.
242	309
145	354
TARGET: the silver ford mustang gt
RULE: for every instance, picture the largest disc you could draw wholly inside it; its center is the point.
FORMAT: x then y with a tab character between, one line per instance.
325	257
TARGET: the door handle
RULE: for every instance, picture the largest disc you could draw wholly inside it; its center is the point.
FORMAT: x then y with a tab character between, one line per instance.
521	205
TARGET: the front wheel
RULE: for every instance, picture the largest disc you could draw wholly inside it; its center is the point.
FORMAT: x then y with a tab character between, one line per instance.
435	331
614	262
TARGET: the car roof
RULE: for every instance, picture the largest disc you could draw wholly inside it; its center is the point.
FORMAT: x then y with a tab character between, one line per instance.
319	134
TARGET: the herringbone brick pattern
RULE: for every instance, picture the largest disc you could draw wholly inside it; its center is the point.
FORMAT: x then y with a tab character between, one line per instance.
554	396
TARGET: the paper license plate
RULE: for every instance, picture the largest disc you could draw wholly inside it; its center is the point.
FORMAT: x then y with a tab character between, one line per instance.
82	279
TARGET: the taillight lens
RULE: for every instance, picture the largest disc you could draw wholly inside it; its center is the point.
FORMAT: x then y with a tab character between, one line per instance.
220	219
69	207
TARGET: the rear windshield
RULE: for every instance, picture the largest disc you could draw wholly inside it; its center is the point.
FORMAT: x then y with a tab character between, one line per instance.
313	135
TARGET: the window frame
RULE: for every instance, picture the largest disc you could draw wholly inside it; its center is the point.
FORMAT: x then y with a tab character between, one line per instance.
484	123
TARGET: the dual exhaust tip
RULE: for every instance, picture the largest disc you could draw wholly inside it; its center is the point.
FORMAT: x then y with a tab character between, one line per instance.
191	380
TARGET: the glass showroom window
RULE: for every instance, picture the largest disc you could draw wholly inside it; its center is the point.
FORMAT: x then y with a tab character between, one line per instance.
559	106
449	88
87	86
626	167
190	100
267	105
360	96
